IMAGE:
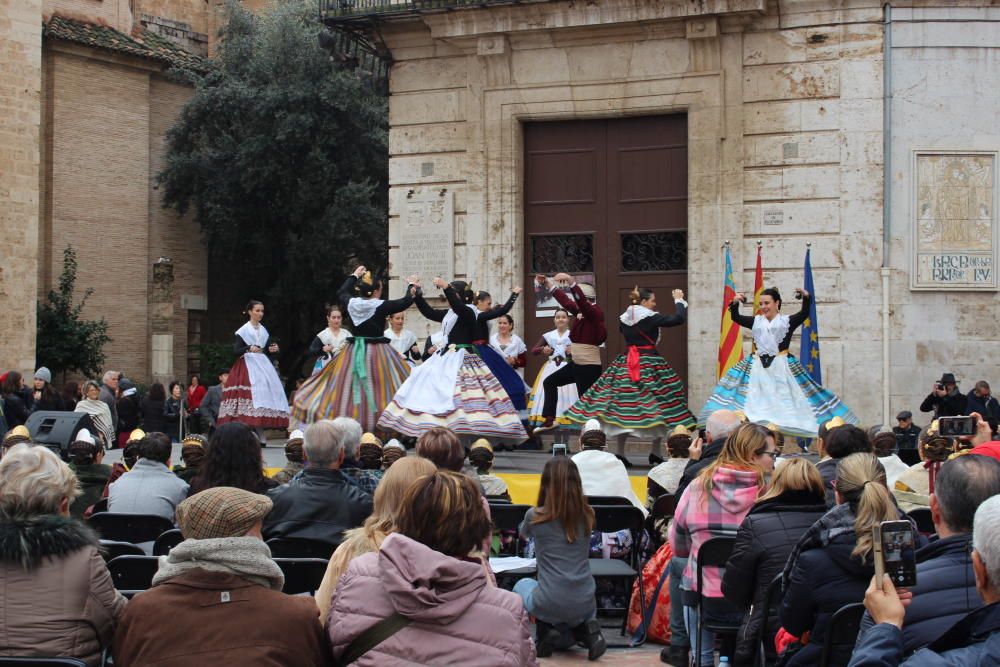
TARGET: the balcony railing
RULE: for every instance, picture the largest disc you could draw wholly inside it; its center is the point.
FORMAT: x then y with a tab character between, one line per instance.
346	10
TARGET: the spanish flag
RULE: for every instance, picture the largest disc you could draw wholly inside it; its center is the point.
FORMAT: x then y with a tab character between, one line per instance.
758	283
730	340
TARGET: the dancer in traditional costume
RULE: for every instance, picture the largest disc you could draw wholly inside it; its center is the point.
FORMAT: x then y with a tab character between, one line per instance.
454	387
329	342
253	393
512	383
639	394
556	345
403	340
360	381
509	345
587	332
771	386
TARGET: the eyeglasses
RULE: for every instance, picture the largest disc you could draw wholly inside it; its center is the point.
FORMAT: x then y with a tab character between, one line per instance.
775	455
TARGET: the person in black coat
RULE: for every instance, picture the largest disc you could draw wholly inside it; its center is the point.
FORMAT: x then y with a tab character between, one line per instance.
15	407
945	400
766	537
980	401
151	407
129	413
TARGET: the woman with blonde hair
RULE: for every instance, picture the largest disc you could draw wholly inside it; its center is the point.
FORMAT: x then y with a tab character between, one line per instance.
714	505
832	565
793	503
388	500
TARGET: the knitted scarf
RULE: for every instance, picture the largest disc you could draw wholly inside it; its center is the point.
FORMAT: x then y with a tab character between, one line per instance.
246	557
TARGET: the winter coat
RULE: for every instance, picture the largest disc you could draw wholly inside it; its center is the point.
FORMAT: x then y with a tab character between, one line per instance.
15	410
988	407
92	479
128	413
148	488
765	539
205	617
944	594
318	504
58	598
457	616
153	419
698	518
209	407
828	471
708	454
949	405
973	641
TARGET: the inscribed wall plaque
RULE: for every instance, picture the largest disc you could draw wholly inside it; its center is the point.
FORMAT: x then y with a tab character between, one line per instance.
955	229
427	236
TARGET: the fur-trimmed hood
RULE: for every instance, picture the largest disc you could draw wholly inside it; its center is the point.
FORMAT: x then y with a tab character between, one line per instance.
28	540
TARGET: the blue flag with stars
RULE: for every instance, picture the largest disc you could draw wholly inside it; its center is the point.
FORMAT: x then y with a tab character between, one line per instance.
809	353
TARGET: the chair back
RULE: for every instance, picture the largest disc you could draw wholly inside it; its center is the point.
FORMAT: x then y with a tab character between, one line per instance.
909	456
664	506
111	549
772	598
612	518
100	506
714	552
293	547
135	528
508	516
302	575
133	574
922	517
497	500
607	500
841	635
167	541
41	662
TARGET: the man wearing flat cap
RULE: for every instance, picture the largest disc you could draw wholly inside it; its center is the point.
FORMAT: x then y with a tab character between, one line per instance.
216	598
906	431
945	400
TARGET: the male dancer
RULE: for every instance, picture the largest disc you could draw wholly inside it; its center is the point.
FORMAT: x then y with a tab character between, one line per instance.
586	334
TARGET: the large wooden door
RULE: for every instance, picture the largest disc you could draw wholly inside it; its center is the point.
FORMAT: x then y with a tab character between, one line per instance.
608	198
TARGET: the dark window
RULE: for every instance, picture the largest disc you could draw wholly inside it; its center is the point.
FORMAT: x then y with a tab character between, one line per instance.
572	253
654	252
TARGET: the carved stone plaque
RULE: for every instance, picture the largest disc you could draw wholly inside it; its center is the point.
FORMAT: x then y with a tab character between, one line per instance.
955	228
427	235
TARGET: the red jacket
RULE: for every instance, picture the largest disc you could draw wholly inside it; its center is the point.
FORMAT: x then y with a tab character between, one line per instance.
195	397
589	329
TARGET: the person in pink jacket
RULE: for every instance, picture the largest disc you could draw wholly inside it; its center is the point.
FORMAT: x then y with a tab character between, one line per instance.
450	612
714	505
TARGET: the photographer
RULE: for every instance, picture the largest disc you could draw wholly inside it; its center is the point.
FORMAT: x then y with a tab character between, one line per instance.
945	400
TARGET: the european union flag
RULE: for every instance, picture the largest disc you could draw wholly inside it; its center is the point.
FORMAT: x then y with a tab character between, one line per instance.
809	353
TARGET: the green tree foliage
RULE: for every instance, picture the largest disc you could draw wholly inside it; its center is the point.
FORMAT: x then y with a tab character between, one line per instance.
282	156
66	341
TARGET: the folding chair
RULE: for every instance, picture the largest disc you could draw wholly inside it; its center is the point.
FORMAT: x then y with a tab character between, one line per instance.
111	550
41	662
664	506
294	547
302	575
771	600
607	500
497	500
100	506
133	574
167	541
610	519
508	516
841	635
922	517
135	528
713	553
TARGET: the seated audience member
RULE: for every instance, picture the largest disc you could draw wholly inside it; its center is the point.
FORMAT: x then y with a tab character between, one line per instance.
370	454
832	563
294	458
974	640
233	459
85	457
561	598
130	454
19	435
884	444
441	447
946	583
149	487
392	452
603	473
665	477
366	480
424	573
369	537
714	505
481	458
794	502
841	441
914	487
216	598
720	424
192	454
320	503
58	598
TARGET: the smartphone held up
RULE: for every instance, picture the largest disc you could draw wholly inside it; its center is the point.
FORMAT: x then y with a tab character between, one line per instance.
895	553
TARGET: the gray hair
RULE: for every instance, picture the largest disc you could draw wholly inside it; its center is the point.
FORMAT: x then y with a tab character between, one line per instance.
34	481
721	423
352	436
962	485
108	375
986	538
323	443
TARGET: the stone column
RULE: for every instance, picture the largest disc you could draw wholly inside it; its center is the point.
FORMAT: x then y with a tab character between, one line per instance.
162	309
20	90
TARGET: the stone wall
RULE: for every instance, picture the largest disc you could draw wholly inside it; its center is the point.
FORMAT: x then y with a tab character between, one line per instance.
20	88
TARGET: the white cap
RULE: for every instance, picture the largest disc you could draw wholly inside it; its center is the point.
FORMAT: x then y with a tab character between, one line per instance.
84	436
394	443
297	435
591	425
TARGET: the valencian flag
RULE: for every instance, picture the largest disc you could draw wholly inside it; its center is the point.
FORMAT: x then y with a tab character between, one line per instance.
730	339
758	283
809	353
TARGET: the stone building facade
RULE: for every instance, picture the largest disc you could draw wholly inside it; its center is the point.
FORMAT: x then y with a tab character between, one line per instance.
785	107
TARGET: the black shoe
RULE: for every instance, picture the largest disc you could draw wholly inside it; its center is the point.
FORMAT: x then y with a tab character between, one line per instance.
546	638
678	656
655	460
590	635
624	460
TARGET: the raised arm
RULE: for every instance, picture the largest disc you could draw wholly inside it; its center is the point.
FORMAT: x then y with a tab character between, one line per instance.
399	305
677	318
455	301
798	318
346	291
589	310
744	321
433	314
497	311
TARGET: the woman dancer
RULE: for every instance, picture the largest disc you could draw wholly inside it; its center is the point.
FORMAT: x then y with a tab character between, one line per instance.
639	393
454	387
771	386
403	340
329	342
359	382
253	393
555	344
512	383
509	345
